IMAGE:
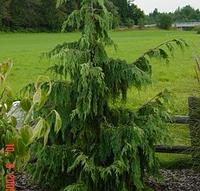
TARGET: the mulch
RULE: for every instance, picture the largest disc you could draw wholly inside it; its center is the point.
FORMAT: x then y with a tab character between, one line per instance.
22	183
173	180
177	180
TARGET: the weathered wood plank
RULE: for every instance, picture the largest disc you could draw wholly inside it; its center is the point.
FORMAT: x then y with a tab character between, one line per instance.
180	119
194	124
174	149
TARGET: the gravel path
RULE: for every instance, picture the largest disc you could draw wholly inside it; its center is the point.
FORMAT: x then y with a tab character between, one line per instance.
174	180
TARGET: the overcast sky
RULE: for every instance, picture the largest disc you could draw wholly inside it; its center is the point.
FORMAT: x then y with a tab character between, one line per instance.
165	5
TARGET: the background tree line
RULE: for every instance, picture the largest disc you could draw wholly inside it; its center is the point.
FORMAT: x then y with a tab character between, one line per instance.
165	20
42	15
33	14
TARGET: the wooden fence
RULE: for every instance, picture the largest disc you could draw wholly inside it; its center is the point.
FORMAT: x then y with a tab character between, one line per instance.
193	121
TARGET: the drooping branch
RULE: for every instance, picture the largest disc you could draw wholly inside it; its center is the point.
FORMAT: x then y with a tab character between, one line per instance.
160	50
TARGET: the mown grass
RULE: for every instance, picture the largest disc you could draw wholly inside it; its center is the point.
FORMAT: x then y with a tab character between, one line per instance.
179	77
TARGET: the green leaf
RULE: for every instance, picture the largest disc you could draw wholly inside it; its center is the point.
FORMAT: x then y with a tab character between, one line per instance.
41	94
41	130
37	96
46	134
5	67
13	121
10	137
38	128
58	122
25	104
26	134
21	147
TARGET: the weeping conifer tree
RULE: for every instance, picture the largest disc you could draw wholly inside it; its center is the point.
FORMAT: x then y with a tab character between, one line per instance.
98	146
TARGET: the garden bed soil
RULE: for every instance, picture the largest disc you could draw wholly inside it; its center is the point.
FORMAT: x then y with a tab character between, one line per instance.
173	180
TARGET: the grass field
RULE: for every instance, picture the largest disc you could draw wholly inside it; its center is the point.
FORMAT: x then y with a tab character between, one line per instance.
179	77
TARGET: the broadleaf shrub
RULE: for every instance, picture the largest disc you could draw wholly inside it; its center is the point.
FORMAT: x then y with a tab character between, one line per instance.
9	134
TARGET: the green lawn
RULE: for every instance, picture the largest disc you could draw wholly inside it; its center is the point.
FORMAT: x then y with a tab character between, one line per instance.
25	50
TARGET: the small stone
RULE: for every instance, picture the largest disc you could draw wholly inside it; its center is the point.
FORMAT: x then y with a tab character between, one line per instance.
17	112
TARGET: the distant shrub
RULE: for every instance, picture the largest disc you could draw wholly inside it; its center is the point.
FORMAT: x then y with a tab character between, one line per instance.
164	21
141	23
197	29
129	23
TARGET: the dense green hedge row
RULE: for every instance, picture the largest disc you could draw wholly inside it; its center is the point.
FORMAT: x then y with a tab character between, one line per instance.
42	15
37	15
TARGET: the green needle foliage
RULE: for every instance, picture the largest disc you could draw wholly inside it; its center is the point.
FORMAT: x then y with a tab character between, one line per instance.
98	146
